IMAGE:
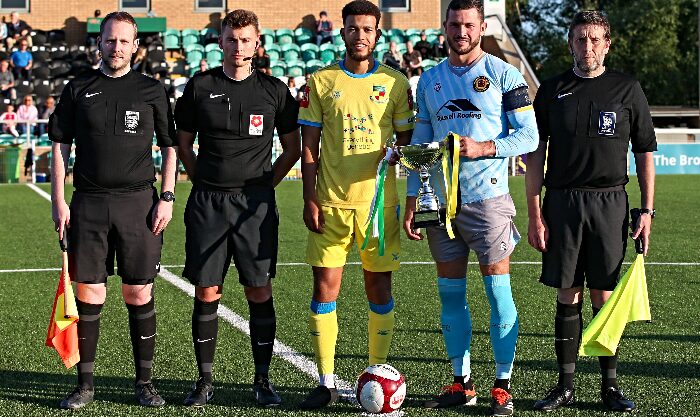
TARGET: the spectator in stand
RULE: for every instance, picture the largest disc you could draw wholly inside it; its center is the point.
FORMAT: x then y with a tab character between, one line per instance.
27	111
393	58
302	88
8	118
261	61
49	107
7	81
412	60
424	47
292	85
441	49
3	30
203	66
140	63
95	59
324	29
17	29
21	61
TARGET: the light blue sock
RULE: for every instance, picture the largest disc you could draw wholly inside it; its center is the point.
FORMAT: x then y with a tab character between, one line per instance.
456	323
504	323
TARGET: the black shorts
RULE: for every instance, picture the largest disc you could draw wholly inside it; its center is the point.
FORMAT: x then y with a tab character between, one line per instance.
105	225
587	237
221	226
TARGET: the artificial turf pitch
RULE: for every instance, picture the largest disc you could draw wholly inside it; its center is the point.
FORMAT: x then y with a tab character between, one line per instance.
659	361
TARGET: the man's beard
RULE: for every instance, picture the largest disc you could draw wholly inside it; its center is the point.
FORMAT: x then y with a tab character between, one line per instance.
357	56
583	66
470	47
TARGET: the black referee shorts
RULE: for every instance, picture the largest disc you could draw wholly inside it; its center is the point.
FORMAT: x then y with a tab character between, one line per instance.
587	237
221	226
105	225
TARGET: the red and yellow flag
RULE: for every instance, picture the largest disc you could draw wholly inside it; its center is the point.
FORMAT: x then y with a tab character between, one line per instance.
63	324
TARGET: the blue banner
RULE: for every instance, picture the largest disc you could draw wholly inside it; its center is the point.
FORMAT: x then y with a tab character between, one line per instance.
674	159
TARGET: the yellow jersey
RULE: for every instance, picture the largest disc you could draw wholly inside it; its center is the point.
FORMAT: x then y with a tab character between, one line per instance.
357	114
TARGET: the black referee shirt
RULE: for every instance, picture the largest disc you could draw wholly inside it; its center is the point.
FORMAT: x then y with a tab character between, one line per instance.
589	123
235	122
112	121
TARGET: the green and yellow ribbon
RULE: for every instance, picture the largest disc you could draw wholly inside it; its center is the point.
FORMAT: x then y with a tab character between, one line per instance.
451	179
375	221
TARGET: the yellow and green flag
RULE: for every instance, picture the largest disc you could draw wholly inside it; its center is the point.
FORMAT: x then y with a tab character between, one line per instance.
629	302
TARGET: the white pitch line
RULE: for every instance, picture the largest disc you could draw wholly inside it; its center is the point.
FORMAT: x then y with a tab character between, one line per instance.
39	191
280	349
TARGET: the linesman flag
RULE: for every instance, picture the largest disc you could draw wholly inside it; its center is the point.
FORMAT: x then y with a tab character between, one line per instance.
63	324
629	302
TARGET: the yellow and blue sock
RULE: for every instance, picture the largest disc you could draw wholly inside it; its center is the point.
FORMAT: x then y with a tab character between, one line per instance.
380	329
504	323
456	324
323	326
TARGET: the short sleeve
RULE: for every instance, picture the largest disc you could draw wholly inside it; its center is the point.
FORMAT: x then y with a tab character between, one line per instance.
422	114
541	115
403	118
62	121
310	111
185	116
642	133
287	113
163	120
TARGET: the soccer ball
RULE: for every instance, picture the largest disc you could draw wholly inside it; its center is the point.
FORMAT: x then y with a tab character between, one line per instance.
380	389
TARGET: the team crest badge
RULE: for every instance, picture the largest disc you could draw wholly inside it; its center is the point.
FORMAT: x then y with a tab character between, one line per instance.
131	121
606	123
481	84
255	128
336	95
379	94
437	87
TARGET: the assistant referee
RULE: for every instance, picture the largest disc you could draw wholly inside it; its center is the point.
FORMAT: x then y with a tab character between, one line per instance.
112	114
231	211
588	116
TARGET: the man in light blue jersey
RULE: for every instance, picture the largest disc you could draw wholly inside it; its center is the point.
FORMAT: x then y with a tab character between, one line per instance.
476	96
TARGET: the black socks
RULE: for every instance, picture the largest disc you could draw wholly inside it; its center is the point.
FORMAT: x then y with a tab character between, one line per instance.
142	329
262	334
567	337
88	334
205	326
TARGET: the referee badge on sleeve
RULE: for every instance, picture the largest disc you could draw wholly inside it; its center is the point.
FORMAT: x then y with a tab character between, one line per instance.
606	123
255	128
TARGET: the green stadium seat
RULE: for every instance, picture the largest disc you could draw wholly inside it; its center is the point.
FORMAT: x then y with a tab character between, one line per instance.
303	36
397	38
328	53
338	40
395	32
274	52
412	31
414	39
284	36
431	38
401	47
214	55
279	69
296	69
434	32
267	36
171	39
380	50
209	35
314	65
291	52
341	51
189	37
426	64
213	63
194	46
211	47
309	52
194	56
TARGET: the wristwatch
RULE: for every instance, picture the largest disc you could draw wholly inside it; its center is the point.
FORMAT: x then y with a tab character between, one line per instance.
651	212
167	196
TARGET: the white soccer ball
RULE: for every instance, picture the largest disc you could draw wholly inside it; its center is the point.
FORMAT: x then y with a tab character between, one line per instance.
380	389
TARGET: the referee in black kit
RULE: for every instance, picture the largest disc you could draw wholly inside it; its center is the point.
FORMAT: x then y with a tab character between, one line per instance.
231	211
588	116
112	113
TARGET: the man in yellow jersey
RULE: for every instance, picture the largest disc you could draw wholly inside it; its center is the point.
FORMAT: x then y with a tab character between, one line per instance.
355	106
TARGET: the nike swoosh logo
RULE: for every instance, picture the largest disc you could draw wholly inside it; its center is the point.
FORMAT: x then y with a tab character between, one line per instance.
92	94
263	344
212	95
562	95
205	340
147	337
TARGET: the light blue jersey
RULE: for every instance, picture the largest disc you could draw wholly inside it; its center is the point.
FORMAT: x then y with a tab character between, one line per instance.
477	101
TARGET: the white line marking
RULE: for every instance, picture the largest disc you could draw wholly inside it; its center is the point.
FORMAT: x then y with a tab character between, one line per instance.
283	351
39	191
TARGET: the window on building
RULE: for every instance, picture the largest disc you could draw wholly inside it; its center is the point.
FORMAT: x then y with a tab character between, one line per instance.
14	5
137	6
209	5
395	5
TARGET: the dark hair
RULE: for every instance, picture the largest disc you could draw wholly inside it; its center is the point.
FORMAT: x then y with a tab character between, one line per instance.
119	17
466	5
361	8
239	19
590	17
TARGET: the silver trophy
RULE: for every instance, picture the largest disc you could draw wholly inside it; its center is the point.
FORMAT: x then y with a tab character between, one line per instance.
420	158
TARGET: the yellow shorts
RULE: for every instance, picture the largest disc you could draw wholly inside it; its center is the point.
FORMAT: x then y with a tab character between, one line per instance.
330	249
